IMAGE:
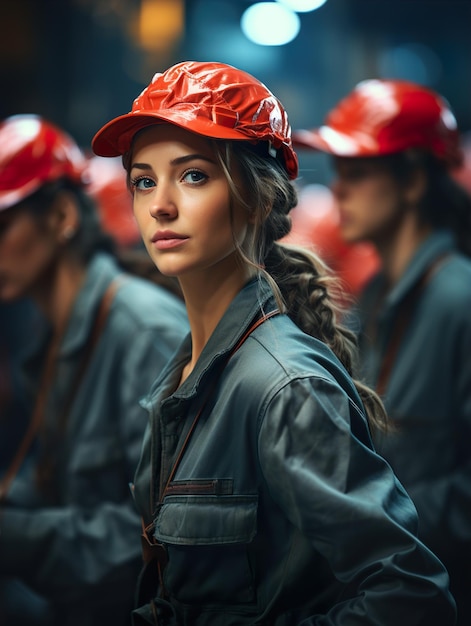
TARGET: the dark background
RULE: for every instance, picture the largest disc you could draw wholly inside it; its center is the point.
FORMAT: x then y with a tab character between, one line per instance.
81	62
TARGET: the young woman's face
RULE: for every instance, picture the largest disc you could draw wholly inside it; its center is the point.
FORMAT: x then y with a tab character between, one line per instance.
182	204
370	200
27	249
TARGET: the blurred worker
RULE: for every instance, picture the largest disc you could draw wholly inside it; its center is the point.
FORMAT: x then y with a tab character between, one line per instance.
69	548
395	145
316	222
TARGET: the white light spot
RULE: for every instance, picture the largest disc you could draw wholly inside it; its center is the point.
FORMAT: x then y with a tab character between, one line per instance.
302	6
270	24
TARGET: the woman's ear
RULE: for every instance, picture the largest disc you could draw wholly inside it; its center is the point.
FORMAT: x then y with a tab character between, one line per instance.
65	216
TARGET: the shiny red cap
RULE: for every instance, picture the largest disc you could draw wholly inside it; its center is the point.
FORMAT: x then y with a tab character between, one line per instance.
34	152
382	117
109	188
211	99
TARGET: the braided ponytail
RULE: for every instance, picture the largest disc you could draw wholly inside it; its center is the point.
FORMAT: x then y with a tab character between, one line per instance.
304	286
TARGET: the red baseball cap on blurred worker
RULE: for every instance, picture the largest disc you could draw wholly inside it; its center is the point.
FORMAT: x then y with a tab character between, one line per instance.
210	99
108	186
381	117
34	152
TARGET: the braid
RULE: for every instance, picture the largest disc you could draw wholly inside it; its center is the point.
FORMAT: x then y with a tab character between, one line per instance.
304	286
307	286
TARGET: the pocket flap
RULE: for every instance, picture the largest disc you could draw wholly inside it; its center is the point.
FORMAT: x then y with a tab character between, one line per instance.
207	520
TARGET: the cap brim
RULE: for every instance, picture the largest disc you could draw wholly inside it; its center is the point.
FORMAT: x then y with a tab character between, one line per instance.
115	137
332	141
309	139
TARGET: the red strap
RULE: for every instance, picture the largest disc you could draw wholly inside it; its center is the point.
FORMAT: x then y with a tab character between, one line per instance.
197	416
147	538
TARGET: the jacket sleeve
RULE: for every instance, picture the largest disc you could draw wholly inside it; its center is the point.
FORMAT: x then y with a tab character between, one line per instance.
341	495
91	544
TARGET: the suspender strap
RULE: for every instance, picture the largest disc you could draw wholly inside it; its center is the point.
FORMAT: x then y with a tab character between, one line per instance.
151	549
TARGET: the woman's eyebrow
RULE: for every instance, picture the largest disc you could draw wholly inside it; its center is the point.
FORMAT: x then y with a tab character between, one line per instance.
191	157
141	166
177	161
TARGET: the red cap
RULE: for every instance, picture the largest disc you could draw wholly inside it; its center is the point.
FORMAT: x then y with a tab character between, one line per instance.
382	117
211	99
34	152
109	188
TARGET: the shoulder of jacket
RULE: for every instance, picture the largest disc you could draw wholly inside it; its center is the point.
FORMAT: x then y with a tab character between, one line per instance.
147	303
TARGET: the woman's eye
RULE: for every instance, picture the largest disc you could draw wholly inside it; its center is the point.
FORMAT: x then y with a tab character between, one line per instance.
142	183
194	176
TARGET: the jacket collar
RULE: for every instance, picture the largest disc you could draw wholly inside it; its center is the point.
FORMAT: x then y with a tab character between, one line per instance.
254	299
439	243
101	271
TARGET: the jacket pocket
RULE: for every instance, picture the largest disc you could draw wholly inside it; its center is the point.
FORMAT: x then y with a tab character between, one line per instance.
208	539
207	520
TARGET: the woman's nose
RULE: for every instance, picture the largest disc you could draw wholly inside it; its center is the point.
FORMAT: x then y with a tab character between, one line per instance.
163	204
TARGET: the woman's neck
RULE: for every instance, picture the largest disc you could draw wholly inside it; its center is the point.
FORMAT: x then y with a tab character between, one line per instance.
56	293
397	249
206	302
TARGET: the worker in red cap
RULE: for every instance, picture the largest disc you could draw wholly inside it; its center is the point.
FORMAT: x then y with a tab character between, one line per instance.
262	498
69	531
396	149
316	223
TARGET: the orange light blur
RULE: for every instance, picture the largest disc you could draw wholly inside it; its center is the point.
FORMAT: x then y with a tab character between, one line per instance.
160	23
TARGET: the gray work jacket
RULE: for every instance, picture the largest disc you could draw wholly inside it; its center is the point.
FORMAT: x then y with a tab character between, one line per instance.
83	552
428	395
279	512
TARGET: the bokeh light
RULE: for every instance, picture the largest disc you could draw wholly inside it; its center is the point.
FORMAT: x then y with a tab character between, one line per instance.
303	6
270	24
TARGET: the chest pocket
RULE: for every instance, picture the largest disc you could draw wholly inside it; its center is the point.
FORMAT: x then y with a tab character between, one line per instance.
207	539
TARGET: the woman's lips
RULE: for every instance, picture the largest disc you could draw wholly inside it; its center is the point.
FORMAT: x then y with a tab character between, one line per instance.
165	240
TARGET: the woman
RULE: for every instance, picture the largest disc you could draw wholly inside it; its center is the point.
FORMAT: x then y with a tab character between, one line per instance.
262	499
68	525
396	149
